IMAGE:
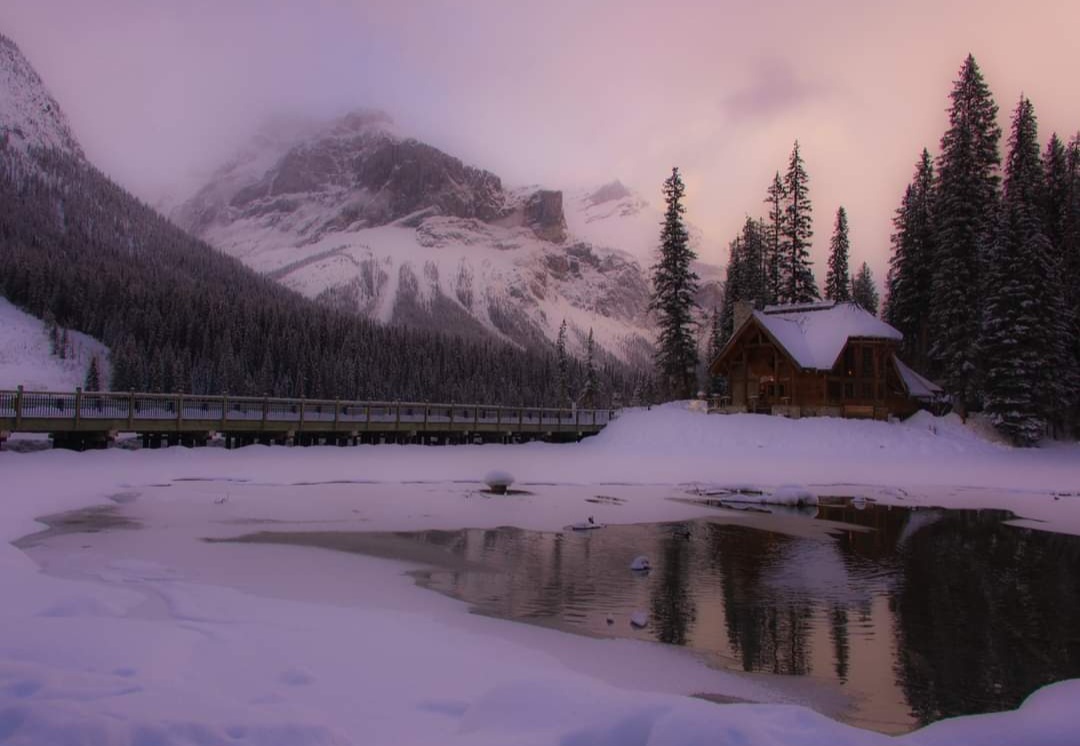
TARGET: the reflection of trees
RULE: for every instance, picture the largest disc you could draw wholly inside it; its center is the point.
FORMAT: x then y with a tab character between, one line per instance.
838	631
672	604
767	634
986	614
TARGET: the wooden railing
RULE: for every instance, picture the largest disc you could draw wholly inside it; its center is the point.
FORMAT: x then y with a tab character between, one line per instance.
89	411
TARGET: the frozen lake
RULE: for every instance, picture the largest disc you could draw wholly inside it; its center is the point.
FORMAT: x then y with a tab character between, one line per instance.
914	615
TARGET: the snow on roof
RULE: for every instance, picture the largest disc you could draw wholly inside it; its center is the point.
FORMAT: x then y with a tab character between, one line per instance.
814	334
917	386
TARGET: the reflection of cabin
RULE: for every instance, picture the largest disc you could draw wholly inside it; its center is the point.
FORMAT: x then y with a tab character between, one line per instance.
817	359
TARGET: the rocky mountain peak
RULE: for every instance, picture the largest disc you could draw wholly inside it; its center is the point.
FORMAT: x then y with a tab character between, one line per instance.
609	192
29	115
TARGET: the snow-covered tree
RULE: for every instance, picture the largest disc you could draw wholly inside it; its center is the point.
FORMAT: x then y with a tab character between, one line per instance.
798	284
909	285
562	361
863	290
92	381
591	386
774	238
1024	319
964	215
746	278
838	279
675	286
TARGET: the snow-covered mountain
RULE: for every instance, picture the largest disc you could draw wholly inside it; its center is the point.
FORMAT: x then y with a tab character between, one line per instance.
356	214
29	115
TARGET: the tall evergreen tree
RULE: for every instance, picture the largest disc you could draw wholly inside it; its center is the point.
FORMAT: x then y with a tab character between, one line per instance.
562	362
964	213
746	278
864	291
838	279
798	284
774	238
734	289
717	340
92	382
591	387
1024	319
674	287
911	267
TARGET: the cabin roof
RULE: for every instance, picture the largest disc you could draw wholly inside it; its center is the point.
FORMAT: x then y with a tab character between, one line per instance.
918	387
814	334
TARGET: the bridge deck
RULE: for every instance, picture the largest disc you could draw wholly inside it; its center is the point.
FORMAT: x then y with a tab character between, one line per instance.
167	414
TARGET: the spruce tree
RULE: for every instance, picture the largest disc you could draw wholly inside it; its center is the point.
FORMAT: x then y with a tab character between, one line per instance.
717	340
911	266
591	386
674	289
798	284
562	362
734	289
863	290
746	278
92	382
774	239
964	214
1023	326
838	279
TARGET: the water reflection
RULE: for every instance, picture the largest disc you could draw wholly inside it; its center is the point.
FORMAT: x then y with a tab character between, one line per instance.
918	614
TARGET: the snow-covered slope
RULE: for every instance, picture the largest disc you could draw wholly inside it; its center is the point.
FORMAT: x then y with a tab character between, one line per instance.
29	115
360	216
26	357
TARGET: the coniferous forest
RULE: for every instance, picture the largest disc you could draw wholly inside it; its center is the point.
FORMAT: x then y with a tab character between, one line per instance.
179	316
984	279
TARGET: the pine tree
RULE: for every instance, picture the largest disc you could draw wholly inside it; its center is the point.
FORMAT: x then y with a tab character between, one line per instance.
746	278
674	289
92	382
717	340
798	284
1024	320
734	289
838	279
863	290
774	238
562	360
1061	223
591	387
964	211
911	267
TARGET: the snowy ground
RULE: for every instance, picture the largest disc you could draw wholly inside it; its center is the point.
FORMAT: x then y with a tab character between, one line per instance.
26	358
152	636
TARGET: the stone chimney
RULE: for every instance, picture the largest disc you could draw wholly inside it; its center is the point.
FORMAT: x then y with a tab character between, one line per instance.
743	311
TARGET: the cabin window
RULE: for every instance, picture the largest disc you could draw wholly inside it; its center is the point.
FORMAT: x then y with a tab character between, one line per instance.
849	361
868	361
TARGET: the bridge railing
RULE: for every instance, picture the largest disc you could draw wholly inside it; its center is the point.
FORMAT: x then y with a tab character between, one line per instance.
87	406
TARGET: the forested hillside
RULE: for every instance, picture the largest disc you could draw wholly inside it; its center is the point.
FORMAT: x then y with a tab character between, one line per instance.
178	315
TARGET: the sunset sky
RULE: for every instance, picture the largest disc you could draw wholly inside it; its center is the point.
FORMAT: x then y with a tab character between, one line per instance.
563	94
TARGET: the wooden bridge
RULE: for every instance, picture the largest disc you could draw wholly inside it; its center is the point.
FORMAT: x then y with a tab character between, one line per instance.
84	419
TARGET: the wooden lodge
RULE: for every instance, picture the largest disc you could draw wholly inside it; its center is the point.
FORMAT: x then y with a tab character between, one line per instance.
823	359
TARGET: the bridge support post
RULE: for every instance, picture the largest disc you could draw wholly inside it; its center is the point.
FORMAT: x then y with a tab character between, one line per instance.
18	408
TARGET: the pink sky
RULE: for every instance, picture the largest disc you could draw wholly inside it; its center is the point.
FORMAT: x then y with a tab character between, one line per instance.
563	94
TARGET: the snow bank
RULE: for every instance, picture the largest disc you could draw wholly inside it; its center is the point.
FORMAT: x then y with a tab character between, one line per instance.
154	636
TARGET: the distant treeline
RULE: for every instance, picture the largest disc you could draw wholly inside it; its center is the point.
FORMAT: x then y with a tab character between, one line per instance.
180	316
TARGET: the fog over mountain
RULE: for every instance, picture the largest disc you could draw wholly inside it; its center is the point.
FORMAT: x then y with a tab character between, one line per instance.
562	93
